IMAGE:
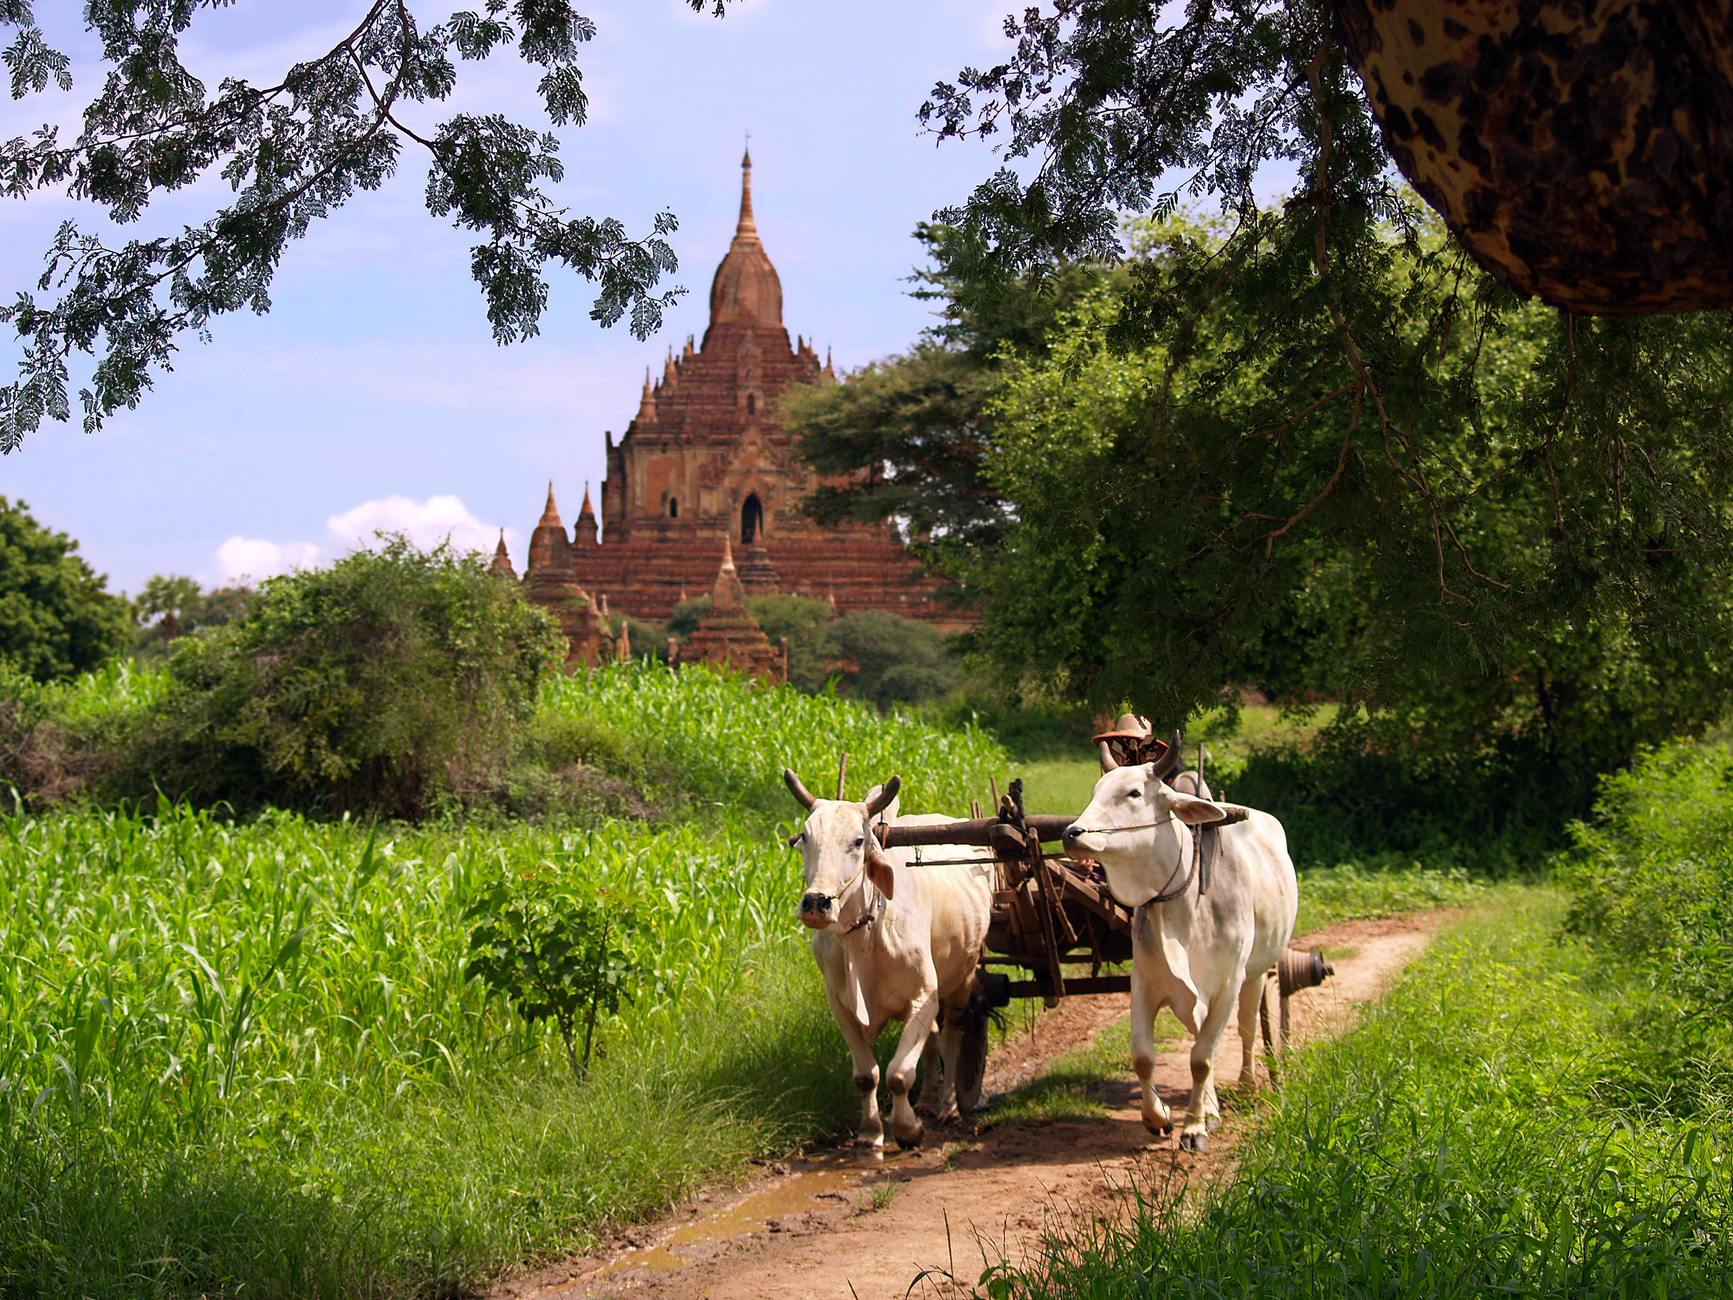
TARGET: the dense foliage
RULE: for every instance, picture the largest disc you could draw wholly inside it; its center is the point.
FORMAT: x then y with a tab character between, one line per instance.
1652	878
57	618
1162	542
247	1058
171	606
1327	382
292	152
373	685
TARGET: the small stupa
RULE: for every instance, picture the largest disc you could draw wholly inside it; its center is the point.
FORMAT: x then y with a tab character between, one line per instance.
728	635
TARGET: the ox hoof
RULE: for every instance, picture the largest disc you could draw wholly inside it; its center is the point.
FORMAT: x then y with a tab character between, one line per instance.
1198	1142
1161	1128
913	1140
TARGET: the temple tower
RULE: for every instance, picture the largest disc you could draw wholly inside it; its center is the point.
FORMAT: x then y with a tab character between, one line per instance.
705	458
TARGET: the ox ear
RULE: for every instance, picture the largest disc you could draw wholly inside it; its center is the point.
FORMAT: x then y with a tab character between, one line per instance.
878	868
802	795
1194	811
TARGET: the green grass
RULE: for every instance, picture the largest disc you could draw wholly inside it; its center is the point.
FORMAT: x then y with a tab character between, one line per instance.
244	1059
1463	1140
1053	785
1351	892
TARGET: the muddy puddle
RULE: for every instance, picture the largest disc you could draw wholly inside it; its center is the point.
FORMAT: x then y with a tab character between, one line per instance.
812	1182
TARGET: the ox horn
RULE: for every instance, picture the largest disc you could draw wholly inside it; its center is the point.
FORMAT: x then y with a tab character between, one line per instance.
882	800
802	795
1108	761
841	776
1169	759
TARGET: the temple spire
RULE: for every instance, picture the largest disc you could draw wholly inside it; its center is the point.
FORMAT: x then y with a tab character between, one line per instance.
584	530
727	593
747	226
550	512
501	566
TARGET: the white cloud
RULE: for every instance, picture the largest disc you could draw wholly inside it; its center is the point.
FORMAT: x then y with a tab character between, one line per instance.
425	523
248	559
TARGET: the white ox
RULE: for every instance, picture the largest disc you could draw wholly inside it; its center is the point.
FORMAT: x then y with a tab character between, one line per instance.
1199	956
894	943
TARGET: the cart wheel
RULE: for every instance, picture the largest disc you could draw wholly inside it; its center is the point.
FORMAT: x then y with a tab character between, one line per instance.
972	1053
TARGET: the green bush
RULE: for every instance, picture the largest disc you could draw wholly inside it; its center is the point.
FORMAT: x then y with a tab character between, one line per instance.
381	684
61	741
1651	878
56	617
1375	789
894	660
807	625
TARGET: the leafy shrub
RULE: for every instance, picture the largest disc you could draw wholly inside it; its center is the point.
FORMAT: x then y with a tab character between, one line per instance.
1651	878
807	625
61	741
377	685
894	660
555	953
1369	788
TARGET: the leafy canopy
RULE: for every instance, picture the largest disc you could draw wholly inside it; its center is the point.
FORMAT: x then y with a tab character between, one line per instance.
291	153
56	617
1330	376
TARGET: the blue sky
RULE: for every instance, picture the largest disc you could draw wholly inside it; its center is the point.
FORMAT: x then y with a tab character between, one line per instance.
372	395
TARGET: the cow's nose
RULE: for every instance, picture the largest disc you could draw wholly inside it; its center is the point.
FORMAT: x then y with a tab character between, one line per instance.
815	903
1070	835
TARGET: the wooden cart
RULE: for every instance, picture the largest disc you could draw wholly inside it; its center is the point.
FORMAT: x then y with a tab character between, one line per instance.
1050	911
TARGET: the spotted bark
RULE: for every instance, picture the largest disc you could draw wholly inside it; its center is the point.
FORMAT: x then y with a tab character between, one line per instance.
1582	151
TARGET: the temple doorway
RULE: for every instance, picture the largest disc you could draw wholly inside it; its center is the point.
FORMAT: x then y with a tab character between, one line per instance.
751	520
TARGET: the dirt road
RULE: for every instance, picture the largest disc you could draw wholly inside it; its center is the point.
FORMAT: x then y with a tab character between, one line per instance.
926	1223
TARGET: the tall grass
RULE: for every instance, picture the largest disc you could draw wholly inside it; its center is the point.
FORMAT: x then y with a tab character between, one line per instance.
243	1058
727	740
1461	1141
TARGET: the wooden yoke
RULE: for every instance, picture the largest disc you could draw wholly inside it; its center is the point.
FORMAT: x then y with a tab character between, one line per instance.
984	832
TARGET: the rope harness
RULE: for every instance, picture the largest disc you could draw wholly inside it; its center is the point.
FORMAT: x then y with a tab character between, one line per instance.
1200	863
871	910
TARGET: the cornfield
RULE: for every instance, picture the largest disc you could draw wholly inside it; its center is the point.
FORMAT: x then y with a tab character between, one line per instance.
244	1058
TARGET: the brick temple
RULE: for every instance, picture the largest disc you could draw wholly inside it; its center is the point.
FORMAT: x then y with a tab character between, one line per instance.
705	462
